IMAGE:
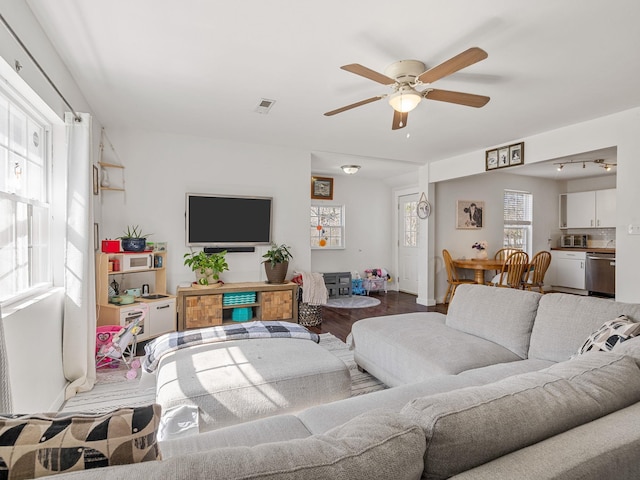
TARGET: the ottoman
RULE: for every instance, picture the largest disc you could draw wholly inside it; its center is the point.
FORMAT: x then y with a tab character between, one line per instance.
239	380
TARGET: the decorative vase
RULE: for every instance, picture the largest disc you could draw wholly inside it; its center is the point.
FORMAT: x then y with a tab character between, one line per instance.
134	244
276	274
482	255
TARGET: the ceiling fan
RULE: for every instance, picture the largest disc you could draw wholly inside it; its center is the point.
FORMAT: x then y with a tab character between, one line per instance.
405	76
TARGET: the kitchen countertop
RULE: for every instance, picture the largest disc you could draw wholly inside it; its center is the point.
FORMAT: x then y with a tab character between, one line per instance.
585	249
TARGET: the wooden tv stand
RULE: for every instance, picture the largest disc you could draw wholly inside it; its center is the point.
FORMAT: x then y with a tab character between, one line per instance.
204	307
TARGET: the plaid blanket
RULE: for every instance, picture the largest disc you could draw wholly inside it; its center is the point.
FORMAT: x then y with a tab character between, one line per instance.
170	342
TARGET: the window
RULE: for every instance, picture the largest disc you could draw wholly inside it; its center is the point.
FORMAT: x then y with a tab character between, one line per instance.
410	224
24	199
327	226
518	216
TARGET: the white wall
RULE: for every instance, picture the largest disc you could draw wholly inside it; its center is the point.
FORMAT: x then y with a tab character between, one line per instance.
489	188
618	130
161	168
369	227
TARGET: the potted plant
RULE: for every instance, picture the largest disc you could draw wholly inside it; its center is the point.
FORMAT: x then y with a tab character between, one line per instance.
133	240
207	266
277	262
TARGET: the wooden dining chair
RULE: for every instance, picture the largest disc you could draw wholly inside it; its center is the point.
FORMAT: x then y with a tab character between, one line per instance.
534	278
503	253
512	272
452	277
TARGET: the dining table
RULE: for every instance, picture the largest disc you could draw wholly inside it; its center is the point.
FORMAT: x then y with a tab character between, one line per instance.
479	266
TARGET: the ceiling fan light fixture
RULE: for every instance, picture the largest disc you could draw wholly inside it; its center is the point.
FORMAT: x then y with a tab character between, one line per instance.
350	169
404	100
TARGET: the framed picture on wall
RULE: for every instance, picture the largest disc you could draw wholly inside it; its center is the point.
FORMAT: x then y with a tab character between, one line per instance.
322	188
469	214
516	154
491	159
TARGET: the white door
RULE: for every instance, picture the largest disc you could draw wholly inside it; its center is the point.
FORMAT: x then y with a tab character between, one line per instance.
408	224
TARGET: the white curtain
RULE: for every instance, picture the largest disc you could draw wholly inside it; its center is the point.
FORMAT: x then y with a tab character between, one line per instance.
5	384
79	327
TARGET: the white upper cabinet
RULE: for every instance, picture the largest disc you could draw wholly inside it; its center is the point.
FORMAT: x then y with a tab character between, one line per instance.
593	209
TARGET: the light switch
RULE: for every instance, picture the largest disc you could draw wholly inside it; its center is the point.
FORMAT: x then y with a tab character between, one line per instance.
633	229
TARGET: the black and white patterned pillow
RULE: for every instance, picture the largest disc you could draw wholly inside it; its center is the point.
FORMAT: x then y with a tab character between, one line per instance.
610	334
36	445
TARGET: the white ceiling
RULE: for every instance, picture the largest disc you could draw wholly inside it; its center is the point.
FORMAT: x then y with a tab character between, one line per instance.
201	67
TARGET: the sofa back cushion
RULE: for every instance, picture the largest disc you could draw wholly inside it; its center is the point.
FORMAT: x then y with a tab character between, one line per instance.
501	315
377	445
471	426
564	322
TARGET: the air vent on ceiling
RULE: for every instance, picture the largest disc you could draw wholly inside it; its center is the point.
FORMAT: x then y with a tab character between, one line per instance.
265	105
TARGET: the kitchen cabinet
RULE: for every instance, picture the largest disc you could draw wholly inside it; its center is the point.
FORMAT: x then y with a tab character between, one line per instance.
569	269
591	209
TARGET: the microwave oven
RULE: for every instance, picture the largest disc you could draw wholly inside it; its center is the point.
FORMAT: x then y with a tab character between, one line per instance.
136	261
573	241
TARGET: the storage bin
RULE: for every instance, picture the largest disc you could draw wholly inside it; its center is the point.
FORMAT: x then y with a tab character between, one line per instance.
238	298
241	314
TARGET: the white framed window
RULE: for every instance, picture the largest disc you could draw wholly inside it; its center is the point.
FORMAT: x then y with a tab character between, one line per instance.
327	227
518	220
25	220
410	224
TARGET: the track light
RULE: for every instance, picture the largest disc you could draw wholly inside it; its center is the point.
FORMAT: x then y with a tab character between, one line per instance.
598	161
350	169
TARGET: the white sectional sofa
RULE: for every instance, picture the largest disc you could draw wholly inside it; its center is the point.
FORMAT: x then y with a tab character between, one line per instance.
489	391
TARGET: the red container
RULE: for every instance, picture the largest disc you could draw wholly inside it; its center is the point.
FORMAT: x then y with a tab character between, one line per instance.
110	246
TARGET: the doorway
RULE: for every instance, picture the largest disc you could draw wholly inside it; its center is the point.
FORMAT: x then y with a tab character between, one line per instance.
408	243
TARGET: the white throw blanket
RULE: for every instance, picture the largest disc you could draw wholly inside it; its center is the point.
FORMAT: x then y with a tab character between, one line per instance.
314	292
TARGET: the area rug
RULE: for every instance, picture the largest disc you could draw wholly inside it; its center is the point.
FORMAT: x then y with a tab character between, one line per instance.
113	390
352	302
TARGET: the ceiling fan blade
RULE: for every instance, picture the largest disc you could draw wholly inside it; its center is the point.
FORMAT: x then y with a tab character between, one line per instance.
460	61
468	99
399	120
368	73
353	105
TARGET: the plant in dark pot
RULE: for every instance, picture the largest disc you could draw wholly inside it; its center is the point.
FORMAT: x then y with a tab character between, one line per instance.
133	240
207	267
277	262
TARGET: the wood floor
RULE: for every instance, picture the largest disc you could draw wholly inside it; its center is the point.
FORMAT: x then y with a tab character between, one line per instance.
338	321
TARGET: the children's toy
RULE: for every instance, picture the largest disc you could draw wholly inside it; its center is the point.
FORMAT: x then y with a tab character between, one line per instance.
115	344
375	280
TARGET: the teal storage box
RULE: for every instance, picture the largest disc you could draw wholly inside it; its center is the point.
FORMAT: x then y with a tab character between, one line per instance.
241	314
238	298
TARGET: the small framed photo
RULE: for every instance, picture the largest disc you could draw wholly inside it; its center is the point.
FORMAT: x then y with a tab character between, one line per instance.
503	157
96	187
516	154
491	159
322	188
469	214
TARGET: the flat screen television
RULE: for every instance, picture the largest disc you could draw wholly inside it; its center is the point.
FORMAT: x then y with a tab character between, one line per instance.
227	221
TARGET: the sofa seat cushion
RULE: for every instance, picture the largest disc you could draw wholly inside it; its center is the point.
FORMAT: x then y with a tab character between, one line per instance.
493	373
412	347
474	425
278	428
501	315
565	321
241	380
378	445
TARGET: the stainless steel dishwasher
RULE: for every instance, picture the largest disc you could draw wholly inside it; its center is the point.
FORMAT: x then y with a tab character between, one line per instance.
601	274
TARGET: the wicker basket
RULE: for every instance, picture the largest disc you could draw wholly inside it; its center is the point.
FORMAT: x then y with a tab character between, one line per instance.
308	315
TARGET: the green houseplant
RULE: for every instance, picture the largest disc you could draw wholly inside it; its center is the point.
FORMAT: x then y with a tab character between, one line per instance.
207	266
277	262
133	240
